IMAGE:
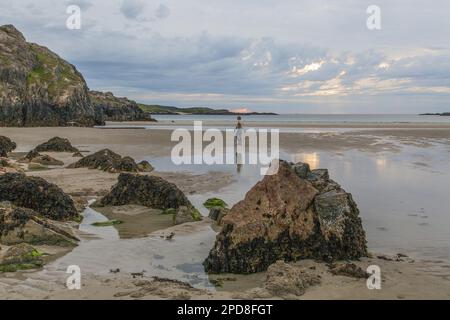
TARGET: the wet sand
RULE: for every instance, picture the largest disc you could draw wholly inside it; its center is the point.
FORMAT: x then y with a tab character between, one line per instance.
419	279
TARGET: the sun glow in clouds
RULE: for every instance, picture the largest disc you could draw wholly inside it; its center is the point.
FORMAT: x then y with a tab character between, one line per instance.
296	72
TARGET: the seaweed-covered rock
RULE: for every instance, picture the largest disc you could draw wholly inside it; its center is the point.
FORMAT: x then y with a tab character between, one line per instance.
285	217
37	194
46	160
19	225
217	214
149	191
287	281
186	214
6	146
56	144
145	166
349	270
21	257
106	160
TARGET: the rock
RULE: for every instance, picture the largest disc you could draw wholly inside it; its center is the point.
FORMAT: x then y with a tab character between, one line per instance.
21	225
56	144
280	219
6	145
38	88
349	270
186	214
21	256
46	160
37	194
145	166
149	191
301	169
106	160
78	154
217	214
118	109
286	280
126	164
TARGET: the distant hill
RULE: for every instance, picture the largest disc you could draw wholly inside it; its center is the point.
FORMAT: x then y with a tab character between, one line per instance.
158	109
447	114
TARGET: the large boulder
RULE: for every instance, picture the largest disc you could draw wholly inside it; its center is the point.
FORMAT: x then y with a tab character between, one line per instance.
149	191
39	88
107	160
21	225
37	194
6	146
56	144
286	217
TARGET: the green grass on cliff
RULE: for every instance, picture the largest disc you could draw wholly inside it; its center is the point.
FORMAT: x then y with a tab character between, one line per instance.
51	72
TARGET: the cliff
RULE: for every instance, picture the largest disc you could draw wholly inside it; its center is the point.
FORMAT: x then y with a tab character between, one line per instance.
38	88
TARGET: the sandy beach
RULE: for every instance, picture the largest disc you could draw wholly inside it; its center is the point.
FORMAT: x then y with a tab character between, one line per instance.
355	156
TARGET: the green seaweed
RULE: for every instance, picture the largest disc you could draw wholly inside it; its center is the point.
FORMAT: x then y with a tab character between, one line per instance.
215	202
107	223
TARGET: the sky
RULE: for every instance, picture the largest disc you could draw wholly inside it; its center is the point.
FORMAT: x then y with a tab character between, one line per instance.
290	56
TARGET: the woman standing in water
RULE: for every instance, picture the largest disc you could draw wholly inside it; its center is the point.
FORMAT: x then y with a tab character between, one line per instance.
239	130
239	133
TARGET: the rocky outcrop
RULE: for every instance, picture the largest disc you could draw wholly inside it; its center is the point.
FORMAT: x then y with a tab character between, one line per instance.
107	160
39	88
149	191
118	109
56	144
6	146
287	217
37	194
21	225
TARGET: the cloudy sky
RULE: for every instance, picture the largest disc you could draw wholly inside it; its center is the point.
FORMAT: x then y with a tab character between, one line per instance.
290	56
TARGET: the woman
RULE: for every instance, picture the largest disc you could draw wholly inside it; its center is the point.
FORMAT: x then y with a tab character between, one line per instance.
239	131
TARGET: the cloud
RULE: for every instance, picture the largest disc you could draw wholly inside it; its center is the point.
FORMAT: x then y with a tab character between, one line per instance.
131	9
252	54
162	11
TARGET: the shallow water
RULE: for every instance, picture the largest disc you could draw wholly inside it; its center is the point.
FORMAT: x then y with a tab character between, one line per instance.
403	198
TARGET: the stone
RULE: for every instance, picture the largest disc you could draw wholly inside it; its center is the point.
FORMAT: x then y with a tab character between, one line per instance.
349	270
186	214
36	193
56	144
149	191
280	219
21	225
46	160
106	160
77	154
301	169
6	146
217	214
286	280
145	166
